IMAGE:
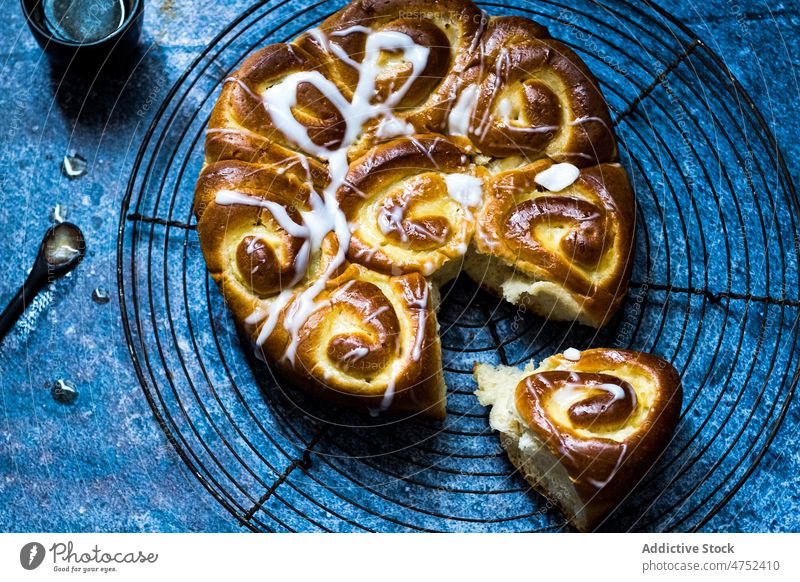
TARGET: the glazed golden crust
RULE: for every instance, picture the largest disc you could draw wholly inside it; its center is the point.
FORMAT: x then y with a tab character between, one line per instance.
607	417
372	334
579	238
451	30
406	191
536	98
241	128
402	216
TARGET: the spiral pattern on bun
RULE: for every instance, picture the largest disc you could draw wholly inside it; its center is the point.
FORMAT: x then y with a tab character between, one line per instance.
410	203
385	150
564	253
242	128
595	403
246	219
372	340
448	30
584	426
595	410
528	96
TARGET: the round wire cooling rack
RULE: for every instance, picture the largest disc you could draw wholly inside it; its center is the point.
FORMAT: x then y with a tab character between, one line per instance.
715	291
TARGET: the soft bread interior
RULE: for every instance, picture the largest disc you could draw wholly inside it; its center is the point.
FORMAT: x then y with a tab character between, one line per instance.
541	297
529	454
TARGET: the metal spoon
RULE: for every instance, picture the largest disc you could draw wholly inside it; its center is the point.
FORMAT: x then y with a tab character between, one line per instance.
62	248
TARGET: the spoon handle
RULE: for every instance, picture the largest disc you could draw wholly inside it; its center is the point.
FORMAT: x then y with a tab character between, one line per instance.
21	300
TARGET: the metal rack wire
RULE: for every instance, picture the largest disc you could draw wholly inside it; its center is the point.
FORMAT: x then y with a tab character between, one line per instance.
715	291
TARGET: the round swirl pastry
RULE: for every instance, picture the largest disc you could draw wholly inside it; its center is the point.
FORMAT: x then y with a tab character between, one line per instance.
562	251
364	342
409	203
351	172
419	84
584	427
241	128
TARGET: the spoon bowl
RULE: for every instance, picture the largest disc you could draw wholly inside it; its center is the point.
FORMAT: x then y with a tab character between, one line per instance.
62	248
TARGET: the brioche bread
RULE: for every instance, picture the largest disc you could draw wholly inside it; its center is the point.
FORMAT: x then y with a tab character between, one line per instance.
583	427
351	172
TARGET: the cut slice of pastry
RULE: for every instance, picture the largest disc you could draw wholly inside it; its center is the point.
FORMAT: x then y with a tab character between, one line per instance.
583	427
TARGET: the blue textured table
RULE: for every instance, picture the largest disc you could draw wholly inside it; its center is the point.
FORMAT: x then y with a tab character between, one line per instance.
104	464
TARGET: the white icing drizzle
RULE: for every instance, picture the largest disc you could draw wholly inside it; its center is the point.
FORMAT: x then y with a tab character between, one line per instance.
245	87
504	108
421	304
574	390
343	289
392	220
253	246
426	231
461	113
588	119
325	215
228	197
351	30
426	151
352	187
568	394
356	354
465	189
256	317
617	391
375	313
557	177
369	252
537	129
572	354
274	311
306	231
388	395
330	47
389	127
486	120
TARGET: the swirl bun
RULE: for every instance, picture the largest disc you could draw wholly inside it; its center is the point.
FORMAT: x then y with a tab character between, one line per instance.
535	97
584	427
406	206
372	341
241	128
248	251
564	254
448	30
358	167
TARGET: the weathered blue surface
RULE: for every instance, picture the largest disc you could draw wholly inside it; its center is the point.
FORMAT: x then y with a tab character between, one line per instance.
104	464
